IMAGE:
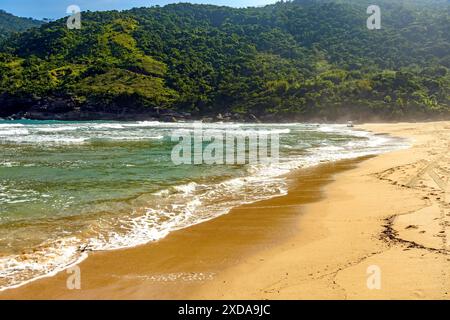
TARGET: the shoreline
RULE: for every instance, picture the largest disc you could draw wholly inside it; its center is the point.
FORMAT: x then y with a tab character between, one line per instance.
326	232
204	236
389	212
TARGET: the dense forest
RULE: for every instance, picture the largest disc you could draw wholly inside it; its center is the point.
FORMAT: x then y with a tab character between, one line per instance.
10	24
302	60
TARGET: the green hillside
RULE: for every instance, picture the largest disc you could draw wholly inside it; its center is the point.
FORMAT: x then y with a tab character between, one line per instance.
293	60
10	23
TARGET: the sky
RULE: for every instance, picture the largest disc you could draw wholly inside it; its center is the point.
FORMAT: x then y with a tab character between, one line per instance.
53	9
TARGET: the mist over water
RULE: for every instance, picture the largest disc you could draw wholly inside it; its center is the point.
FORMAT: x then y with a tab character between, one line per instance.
67	188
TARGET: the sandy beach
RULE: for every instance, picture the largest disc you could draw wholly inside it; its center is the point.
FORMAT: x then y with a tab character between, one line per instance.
338	221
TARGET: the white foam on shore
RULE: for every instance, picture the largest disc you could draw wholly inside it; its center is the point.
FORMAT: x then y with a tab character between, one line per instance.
19	270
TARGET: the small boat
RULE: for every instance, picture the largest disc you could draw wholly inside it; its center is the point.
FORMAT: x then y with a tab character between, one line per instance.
350	124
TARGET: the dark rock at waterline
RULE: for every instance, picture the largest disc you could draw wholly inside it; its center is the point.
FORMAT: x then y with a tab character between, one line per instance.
67	108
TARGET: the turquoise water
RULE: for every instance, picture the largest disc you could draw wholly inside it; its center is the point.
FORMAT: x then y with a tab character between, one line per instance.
67	188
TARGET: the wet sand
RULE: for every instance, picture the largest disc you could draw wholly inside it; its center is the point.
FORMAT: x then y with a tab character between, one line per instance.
317	242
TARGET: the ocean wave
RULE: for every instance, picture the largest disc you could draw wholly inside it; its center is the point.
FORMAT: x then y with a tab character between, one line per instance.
58	129
51	258
14	132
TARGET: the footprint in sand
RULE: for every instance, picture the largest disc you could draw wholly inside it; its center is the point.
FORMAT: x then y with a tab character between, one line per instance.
419	294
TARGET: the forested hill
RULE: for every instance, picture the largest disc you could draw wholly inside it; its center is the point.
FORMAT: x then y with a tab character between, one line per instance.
10	23
299	60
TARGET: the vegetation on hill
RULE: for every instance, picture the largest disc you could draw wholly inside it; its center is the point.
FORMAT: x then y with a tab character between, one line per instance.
293	60
10	24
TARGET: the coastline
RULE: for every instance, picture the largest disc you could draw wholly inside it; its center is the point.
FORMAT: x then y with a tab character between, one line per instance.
336	220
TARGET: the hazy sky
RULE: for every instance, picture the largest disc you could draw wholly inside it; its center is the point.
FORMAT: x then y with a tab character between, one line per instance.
57	8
